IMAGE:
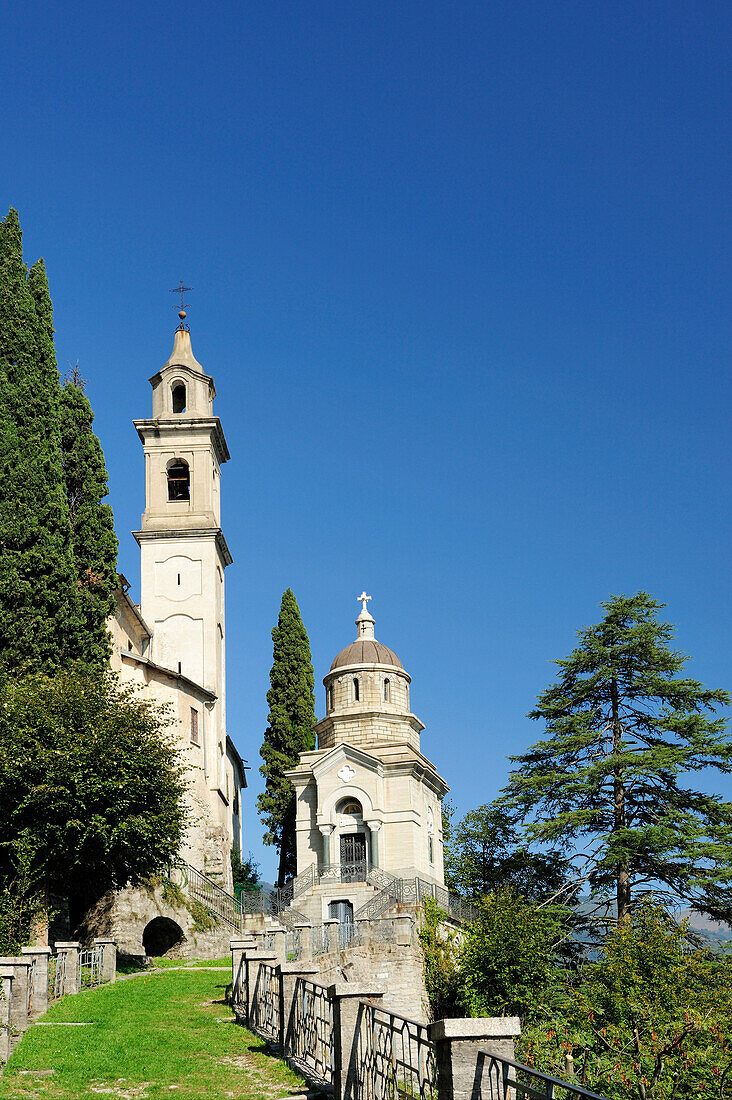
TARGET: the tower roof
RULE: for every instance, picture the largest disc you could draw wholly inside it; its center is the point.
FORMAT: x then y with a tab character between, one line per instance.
366	650
182	355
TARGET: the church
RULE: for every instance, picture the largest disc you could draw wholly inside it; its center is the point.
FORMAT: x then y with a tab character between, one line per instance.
368	800
173	645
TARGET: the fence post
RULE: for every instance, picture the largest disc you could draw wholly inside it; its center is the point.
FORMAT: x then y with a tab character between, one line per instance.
17	969
457	1042
252	961
289	972
239	970
109	958
365	932
7	980
279	949
306	942
403	931
40	977
72	977
346	999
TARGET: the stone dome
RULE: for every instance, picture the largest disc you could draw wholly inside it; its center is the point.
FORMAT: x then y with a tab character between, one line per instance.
366	651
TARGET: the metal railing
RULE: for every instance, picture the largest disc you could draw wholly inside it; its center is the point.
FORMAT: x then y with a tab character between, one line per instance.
293	944
395	1055
217	900
500	1079
265	1012
56	975
321	939
90	968
349	934
309	1040
31	984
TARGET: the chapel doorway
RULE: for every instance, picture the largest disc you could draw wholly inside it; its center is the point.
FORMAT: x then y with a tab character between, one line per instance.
353	857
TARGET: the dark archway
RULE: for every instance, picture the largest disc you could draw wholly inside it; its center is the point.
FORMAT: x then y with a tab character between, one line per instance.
161	936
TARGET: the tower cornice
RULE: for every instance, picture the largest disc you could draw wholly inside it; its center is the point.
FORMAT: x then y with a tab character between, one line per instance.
178	533
167	426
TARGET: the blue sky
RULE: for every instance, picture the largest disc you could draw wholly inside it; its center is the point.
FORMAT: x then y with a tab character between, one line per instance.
461	275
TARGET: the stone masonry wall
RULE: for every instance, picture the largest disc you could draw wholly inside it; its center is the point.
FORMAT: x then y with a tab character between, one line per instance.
398	968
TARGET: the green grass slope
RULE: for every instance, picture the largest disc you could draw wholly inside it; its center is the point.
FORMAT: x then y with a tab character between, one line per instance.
168	1034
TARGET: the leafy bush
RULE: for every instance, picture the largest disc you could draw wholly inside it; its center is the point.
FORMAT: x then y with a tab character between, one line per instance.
440	950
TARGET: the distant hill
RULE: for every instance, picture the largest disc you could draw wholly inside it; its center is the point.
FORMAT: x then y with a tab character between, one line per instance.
715	933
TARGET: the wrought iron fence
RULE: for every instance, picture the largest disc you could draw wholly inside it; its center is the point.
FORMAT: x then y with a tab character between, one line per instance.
502	1079
90	968
395	1055
31	984
265	1013
269	941
293	944
349	934
310	1034
355	871
321	939
238	984
56	975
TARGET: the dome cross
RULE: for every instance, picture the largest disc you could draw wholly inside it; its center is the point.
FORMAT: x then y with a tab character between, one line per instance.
364	599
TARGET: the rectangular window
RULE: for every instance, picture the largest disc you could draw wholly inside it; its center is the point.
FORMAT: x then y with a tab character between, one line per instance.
194	725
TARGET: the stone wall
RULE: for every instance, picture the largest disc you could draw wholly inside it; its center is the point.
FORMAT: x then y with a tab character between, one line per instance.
399	968
127	916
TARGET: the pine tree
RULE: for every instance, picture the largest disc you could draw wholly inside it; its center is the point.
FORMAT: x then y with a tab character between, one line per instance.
39	621
94	542
289	732
623	731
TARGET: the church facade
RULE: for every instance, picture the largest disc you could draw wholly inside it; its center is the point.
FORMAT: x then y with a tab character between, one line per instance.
173	645
368	799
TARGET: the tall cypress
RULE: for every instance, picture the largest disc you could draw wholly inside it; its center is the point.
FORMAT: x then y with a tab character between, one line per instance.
289	732
39	622
94	542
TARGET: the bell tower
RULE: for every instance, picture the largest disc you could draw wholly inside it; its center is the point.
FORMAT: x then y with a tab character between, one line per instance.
183	549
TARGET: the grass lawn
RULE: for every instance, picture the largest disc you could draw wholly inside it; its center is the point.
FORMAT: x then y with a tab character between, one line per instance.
169	1034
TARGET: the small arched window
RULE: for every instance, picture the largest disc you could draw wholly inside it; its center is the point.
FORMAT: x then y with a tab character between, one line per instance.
387	691
179	480
430	835
179	398
330	697
356	695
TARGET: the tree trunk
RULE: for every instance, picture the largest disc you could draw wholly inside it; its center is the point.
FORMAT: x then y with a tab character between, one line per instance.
619	817
288	850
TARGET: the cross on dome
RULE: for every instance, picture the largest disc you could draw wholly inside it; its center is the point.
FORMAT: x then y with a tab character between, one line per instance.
364	599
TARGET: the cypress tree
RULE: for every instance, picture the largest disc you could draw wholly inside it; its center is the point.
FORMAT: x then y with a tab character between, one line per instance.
39	622
94	543
289	732
624	730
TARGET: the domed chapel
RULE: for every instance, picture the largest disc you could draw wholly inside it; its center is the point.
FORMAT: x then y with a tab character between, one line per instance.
368	800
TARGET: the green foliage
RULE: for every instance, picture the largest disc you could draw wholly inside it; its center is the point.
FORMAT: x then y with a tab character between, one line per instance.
203	918
484	852
290	730
94	543
89	781
650	1019
245	873
440	952
21	904
39	624
622	729
172	894
508	960
52	606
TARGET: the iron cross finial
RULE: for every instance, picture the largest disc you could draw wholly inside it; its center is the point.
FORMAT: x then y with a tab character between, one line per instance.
180	289
364	599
